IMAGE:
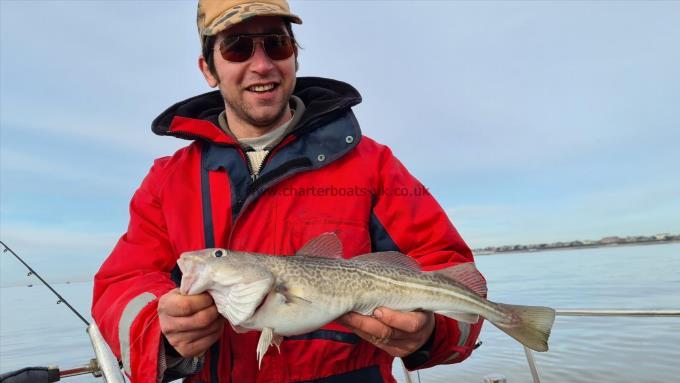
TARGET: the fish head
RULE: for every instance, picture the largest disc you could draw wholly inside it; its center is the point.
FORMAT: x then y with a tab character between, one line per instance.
199	269
207	269
237	282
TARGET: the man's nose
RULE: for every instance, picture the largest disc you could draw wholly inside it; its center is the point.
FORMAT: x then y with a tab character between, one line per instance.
260	62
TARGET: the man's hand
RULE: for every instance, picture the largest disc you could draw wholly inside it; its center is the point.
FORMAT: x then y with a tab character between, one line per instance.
190	323
398	333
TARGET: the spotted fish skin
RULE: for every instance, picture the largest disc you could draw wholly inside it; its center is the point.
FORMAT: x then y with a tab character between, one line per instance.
340	286
293	295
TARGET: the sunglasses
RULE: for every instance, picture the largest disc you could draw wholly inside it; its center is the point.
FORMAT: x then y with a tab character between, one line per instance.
240	48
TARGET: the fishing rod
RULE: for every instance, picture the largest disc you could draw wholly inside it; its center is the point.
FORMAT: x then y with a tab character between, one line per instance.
33	272
105	364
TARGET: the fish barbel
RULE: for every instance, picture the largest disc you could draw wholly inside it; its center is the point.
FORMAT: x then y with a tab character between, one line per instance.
293	295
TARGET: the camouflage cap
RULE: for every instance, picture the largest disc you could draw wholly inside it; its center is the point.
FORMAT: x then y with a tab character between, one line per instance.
214	16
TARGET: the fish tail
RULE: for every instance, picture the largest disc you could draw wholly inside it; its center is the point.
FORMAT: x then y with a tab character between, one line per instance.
530	325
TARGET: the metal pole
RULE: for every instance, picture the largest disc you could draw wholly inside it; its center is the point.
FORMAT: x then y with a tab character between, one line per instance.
617	312
407	374
90	368
532	365
598	313
108	364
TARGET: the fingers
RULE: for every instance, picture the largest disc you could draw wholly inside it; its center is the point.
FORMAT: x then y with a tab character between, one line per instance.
196	321
410	322
366	325
200	346
196	333
388	323
398	333
395	342
191	323
195	343
175	304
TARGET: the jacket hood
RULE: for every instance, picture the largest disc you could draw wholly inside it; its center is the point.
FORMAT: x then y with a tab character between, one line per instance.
196	117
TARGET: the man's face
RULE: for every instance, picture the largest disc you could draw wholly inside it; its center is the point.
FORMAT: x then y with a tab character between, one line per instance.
256	91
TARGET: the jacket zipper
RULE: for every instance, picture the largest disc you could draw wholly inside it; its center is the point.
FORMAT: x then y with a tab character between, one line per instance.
251	171
248	200
249	197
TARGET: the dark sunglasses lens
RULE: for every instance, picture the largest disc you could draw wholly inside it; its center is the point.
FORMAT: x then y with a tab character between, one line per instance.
237	49
278	47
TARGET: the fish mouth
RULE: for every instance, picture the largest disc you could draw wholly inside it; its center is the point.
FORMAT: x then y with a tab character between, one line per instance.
190	274
187	283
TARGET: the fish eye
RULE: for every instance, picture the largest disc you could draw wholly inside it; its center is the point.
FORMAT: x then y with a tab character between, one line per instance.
218	253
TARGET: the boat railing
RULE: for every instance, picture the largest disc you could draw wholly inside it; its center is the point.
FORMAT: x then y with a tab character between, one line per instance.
591	313
500	378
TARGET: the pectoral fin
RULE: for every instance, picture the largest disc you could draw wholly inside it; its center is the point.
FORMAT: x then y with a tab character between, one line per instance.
267	338
239	302
289	296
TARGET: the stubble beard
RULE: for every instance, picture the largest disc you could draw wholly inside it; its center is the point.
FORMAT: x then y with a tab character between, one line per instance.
244	112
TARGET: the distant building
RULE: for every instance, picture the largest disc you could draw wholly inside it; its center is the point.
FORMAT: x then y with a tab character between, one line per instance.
613	240
610	240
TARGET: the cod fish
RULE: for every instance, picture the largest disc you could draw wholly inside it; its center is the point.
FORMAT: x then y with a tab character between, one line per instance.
293	295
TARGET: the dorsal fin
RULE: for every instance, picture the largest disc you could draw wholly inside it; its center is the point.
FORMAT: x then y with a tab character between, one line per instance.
392	258
326	245
467	275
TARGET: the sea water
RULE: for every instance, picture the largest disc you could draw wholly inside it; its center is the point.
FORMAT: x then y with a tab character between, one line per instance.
36	331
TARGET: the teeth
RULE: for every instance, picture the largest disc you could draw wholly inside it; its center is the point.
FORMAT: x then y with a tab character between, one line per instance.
261	88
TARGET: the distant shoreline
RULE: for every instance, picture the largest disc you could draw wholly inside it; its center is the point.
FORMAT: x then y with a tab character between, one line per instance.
534	249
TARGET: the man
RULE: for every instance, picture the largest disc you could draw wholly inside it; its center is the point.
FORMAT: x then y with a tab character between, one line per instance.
275	161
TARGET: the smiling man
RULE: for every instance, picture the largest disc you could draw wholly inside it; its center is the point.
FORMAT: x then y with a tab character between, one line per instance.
256	88
274	161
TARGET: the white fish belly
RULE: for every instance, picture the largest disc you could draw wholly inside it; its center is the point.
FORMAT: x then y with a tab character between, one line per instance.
292	318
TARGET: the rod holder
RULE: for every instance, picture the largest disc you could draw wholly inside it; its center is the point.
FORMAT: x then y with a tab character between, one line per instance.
107	362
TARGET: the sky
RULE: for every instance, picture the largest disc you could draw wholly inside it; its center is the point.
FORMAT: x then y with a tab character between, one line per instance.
528	121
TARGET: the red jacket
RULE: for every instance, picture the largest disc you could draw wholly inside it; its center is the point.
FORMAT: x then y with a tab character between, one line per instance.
323	177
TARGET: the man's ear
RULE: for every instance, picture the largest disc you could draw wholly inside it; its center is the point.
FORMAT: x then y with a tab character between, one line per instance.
207	74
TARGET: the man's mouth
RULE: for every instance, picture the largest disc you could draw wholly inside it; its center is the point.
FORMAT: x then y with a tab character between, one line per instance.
262	88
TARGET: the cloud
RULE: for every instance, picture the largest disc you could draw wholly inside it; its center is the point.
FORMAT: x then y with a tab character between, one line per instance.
46	241
636	208
480	212
29	163
56	253
498	104
481	225
651	194
109	134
